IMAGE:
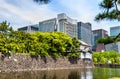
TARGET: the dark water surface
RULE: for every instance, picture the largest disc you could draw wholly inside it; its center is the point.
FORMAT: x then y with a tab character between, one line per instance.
96	73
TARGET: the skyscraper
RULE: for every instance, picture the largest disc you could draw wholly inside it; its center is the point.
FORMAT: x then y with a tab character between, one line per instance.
96	34
114	31
67	25
85	32
47	25
61	24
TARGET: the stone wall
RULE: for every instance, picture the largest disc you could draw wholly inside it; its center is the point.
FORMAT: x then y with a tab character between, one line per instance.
20	62
108	65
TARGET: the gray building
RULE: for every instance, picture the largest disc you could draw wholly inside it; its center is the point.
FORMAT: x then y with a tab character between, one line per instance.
61	24
85	32
48	25
67	25
113	46
96	34
114	31
29	29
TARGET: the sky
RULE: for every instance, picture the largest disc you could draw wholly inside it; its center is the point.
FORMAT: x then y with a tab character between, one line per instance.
20	13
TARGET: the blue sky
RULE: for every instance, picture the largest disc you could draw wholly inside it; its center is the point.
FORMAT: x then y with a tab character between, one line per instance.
26	12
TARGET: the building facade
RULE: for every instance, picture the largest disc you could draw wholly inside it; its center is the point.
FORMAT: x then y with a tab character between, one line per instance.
61	24
67	25
85	32
113	47
47	25
114	31
96	34
29	29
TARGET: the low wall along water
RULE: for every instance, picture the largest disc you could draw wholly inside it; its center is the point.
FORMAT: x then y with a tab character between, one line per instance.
20	62
108	65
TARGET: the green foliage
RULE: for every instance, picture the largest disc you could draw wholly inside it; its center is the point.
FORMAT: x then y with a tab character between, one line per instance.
33	54
103	60
5	27
106	40
74	55
112	60
106	57
118	60
110	10
95	60
53	44
55	55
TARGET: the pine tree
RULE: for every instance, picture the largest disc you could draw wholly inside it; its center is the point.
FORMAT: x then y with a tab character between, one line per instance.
110	10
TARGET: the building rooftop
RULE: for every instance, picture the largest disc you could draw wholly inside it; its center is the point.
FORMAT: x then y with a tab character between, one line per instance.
99	29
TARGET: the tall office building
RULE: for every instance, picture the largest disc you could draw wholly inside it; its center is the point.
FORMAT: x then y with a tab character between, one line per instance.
47	25
96	34
114	31
85	32
29	29
61	24
67	25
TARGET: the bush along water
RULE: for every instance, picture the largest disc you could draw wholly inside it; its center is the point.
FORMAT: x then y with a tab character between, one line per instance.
107	57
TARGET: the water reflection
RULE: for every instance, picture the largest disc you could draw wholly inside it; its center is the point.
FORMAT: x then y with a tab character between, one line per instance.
97	73
53	74
87	74
106	73
74	75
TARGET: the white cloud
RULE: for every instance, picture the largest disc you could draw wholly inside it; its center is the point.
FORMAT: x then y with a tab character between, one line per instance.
29	13
85	11
24	12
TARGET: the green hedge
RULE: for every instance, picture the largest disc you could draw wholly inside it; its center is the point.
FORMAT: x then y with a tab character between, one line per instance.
107	57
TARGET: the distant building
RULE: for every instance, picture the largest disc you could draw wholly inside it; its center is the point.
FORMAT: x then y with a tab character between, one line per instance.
100	48
96	34
61	24
67	25
85	32
48	25
30	29
114	31
113	46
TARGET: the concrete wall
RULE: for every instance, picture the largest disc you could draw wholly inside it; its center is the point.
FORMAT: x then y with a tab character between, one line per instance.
21	62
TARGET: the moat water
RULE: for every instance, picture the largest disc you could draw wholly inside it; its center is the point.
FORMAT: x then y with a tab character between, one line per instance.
95	73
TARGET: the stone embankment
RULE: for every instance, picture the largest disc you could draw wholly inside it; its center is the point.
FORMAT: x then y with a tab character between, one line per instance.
108	65
20	62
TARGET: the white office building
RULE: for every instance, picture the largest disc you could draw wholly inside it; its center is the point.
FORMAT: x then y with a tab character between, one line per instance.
61	24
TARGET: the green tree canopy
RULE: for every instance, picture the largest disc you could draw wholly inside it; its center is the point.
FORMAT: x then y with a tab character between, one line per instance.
106	40
38	43
5	27
107	57
110	10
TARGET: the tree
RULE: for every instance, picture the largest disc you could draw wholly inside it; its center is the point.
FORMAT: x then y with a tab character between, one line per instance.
106	57
5	27
110	10
37	44
106	40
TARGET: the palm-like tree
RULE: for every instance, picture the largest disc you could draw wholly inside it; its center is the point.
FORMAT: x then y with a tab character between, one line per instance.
111	10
